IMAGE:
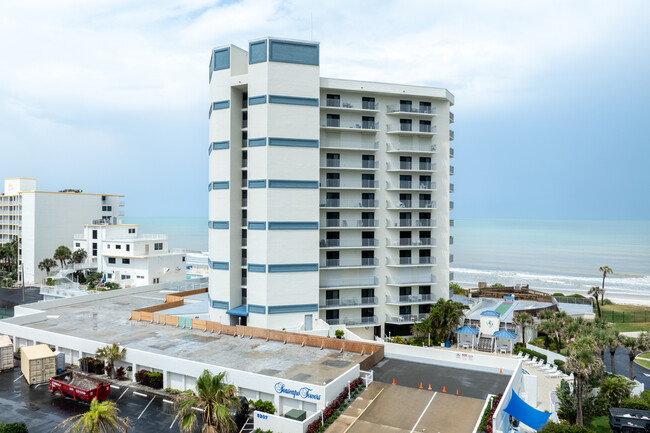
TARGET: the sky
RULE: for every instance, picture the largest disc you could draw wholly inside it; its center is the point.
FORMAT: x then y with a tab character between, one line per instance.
552	97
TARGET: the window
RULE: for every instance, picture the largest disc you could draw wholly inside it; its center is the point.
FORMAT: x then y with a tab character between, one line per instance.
425	107
333	120
333	160
108	246
94	249
126	261
94	234
158	246
367	312
333	180
368	103
140	277
333	100
111	260
118	247
156	281
368	180
405	125
368	161
405	310
126	277
183	258
332	315
109	276
131	230
107	208
425	126
128	247
77	244
368	122
405	106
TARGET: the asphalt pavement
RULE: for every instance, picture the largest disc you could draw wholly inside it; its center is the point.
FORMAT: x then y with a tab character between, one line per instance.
9	298
622	363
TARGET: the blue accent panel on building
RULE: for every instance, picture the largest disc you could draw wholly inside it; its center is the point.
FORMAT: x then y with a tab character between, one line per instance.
256	100
298	308
294	267
293	52
257	183
302	184
258	309
184	322
293	225
217	145
257	142
220	105
221	185
252	267
293	100
256	225
222	266
257	52
222	305
292	142
221	59
218	225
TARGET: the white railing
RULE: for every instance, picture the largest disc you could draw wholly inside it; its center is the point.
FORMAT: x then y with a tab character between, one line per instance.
411	166
411	223
407	127
354	321
336	183
411	261
349	203
410	242
340	263
350	302
365	146
405	184
407	281
411	204
338	103
336	163
349	223
407	108
349	282
406	318
347	243
409	299
360	125
403	147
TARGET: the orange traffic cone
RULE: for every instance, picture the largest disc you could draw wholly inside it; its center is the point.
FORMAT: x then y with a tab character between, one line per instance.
429	387
457	391
501	371
393	381
420	385
443	389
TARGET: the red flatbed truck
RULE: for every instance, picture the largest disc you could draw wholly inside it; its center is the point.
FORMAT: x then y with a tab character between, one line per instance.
79	386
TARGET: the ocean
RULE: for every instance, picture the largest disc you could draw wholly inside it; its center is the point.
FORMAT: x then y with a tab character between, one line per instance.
549	255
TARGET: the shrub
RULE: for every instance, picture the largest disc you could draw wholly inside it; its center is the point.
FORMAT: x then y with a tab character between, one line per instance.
155	380
637	403
607	301
140	376
558	294
339	333
520	348
397	340
497	286
17	427
576	295
49	282
120	373
552	427
264	406
111	286
457	289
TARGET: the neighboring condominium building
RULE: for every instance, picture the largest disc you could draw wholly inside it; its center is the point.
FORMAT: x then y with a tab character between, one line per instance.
44	220
328	198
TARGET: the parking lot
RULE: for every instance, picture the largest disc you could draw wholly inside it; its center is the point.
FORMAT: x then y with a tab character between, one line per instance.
42	411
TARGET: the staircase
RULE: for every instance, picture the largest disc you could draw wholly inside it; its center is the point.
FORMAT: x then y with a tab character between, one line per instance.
485	344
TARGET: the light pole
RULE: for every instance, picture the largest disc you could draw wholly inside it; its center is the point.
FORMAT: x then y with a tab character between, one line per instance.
22	277
349	393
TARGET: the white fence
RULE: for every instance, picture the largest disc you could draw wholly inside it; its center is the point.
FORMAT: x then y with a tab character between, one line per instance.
276	423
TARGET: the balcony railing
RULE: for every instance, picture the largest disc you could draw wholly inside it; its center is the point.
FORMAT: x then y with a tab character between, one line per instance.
412	261
336	203
407	127
244	163
403	222
360	125
410	147
409	299
451	152
336	163
409	166
407	184
408	280
244	124
243	281
350	302
349	263
451	205
357	321
451	134
337	103
406	108
362	146
451	187
244	142
244	202
348	243
411	204
451	116
349	282
409	242
244	242
336	183
350	223
244	261
406	318
451	169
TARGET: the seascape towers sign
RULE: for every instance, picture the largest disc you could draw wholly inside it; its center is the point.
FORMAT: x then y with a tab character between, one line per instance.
303	392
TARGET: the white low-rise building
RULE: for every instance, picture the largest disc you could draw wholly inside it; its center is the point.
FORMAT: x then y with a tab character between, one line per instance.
126	257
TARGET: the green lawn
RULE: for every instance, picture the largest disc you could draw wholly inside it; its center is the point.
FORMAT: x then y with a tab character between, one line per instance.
600	424
627	318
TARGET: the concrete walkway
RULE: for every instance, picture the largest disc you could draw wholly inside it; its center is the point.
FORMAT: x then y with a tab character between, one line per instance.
356	409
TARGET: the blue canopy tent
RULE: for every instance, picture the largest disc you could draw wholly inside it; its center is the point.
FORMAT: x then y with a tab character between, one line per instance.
533	418
467	331
507	335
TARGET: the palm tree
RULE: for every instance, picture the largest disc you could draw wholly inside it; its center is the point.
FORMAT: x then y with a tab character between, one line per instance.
605	270
47	264
594	292
100	418
110	354
613	343
635	346
78	256
521	320
582	363
215	398
422	328
62	254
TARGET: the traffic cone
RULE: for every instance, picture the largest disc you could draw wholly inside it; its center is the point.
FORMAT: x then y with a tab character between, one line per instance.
501	371
393	381
429	387
420	385
443	389
457	391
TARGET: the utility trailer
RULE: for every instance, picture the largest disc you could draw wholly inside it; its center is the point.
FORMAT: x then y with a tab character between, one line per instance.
623	420
79	386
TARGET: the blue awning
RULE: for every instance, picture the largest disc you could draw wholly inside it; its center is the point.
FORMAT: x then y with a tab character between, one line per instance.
490	313
467	330
504	334
241	311
525	413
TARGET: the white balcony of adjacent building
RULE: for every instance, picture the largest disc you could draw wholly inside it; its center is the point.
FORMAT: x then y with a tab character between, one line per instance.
244	262
410	204
244	164
348	223
411	261
405	318
351	302
414	223
407	129
342	244
338	105
411	110
244	281
352	322
349	204
451	188
451	134
349	165
409	280
363	126
244	142
411	243
349	283
412	166
427	148
349	184
451	117
451	152
121	202
349	263
349	145
451	170
409	299
420	185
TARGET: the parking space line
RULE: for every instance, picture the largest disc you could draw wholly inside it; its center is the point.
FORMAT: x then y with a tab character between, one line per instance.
140	394
115	386
18	378
167	401
145	408
423	412
172	425
127	388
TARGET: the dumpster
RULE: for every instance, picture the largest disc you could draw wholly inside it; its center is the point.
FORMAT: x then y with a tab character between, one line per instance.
79	386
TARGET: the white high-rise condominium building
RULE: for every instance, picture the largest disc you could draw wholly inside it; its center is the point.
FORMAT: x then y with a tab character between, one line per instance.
328	198
44	220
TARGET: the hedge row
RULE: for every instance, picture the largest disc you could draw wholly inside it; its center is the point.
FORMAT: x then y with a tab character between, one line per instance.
520	348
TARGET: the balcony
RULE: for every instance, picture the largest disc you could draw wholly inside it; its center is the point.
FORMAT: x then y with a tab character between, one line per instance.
244	202
451	152
411	261
451	205
349	243
349	165
409	166
403	222
451	117
409	299
244	261
451	170
349	263
244	163
244	222
244	124
451	134
360	126
410	281
410	109
244	242
410	148
349	204
350	302
244	142
342	224
410	242
352	322
338	184
411	204
408	129
349	283
412	185
339	105
350	146
406	318
243	281
451	188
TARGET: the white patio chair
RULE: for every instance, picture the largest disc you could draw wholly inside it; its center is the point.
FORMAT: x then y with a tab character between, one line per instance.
552	372
541	366
520	355
526	358
532	361
549	366
539	363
